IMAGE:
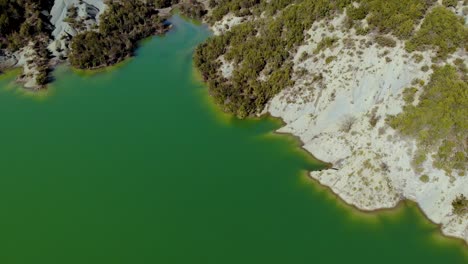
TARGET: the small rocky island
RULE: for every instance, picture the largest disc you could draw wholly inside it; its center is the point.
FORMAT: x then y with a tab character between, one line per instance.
377	88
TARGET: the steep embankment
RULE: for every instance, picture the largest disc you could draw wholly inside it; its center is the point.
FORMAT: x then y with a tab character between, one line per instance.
349	77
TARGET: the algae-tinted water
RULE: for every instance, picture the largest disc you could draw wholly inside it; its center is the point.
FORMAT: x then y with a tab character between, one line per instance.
135	165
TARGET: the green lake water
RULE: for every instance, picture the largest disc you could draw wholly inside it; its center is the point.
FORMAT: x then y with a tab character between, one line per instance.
135	165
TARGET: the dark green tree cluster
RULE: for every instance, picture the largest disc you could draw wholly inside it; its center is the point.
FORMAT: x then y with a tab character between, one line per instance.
439	121
441	30
237	7
460	205
21	21
450	3
385	41
164	3
192	9
42	62
121	26
261	51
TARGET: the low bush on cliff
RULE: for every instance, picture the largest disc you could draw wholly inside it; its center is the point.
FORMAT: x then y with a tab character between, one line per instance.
460	205
384	41
122	24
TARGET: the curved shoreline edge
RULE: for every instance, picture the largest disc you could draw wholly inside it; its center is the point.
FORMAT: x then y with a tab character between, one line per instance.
402	202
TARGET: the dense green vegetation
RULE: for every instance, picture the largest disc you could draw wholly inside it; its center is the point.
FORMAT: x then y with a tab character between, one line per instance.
261	51
441	30
192	9
122	25
439	120
237	7
391	16
450	3
21	21
460	205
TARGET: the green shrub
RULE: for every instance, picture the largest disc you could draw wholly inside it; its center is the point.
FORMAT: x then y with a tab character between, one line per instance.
424	178
325	43
329	59
408	94
192	9
357	13
362	31
450	3
460	205
418	58
22	22
384	41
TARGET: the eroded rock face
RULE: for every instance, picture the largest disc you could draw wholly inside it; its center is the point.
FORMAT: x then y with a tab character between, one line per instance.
88	13
7	60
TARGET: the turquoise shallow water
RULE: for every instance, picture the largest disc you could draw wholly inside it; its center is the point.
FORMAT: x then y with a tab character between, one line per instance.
135	165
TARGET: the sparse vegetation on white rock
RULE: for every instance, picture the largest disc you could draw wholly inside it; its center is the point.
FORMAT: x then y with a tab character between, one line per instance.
372	163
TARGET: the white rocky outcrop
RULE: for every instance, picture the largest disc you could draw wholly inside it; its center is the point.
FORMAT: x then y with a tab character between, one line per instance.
88	14
28	59
338	108
226	24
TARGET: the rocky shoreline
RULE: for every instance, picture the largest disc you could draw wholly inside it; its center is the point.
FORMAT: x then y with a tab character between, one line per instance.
372	162
340	117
